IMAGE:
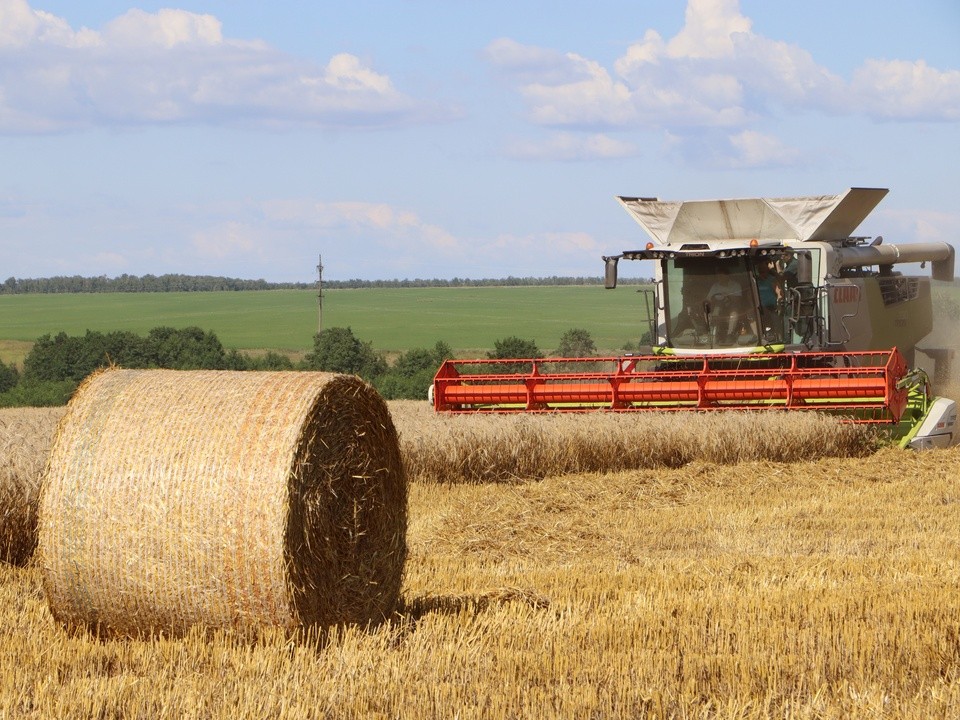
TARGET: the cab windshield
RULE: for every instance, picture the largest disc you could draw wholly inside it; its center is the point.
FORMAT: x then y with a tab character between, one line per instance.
715	302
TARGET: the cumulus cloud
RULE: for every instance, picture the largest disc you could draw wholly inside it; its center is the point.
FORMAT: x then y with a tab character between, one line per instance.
715	73
904	90
174	66
742	150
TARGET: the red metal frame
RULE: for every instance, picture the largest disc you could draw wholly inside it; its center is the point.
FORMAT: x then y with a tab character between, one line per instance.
861	385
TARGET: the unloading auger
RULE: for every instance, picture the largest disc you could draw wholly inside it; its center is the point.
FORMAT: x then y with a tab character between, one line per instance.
757	304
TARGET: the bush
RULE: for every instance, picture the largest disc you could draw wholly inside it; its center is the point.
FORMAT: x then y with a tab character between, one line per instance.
38	393
576	343
512	347
338	350
187	349
412	373
65	357
268	361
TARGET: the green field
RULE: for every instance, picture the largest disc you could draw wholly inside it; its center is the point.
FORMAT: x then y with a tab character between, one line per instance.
392	319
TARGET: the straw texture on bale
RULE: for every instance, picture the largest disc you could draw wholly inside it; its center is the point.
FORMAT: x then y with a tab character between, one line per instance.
25	438
222	499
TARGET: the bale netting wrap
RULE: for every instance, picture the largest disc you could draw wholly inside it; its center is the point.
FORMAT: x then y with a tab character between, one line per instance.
223	499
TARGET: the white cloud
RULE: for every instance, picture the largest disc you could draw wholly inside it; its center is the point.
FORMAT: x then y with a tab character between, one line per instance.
527	63
379	223
716	148
715	72
571	146
708	30
752	149
176	66
164	29
775	72
21	26
902	90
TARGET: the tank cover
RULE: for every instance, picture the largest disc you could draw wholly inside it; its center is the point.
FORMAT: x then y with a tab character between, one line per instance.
817	217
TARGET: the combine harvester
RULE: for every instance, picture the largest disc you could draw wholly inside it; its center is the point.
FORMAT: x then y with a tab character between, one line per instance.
757	304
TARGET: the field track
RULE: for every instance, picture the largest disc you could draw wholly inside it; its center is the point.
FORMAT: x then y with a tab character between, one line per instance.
756	589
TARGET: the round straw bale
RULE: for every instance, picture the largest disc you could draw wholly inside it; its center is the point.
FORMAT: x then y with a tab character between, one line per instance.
25	438
222	499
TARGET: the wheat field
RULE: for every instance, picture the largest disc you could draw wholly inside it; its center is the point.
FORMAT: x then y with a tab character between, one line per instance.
729	587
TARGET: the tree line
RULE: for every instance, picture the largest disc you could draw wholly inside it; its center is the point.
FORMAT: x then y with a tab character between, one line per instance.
57	364
213	283
135	284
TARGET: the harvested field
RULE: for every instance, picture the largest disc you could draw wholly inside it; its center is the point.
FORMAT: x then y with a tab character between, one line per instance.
510	448
827	589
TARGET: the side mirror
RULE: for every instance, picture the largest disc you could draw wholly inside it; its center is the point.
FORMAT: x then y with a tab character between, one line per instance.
610	271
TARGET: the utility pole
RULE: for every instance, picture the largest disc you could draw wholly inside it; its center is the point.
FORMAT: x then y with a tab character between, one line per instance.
320	293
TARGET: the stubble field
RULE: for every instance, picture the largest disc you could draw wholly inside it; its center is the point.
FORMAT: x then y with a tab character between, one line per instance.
712	582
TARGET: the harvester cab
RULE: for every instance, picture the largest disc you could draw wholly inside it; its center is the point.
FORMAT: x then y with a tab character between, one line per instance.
780	274
757	304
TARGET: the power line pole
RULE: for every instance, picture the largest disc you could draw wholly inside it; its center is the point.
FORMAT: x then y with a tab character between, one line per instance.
320	293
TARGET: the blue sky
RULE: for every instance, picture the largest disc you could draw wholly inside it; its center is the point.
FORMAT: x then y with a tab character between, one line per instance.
434	138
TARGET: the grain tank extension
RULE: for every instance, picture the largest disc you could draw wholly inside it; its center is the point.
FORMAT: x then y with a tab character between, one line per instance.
758	303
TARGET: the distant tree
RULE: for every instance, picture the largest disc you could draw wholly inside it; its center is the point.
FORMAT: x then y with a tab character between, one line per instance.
54	358
411	375
186	349
270	360
120	347
337	349
513	347
65	357
576	342
56	364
